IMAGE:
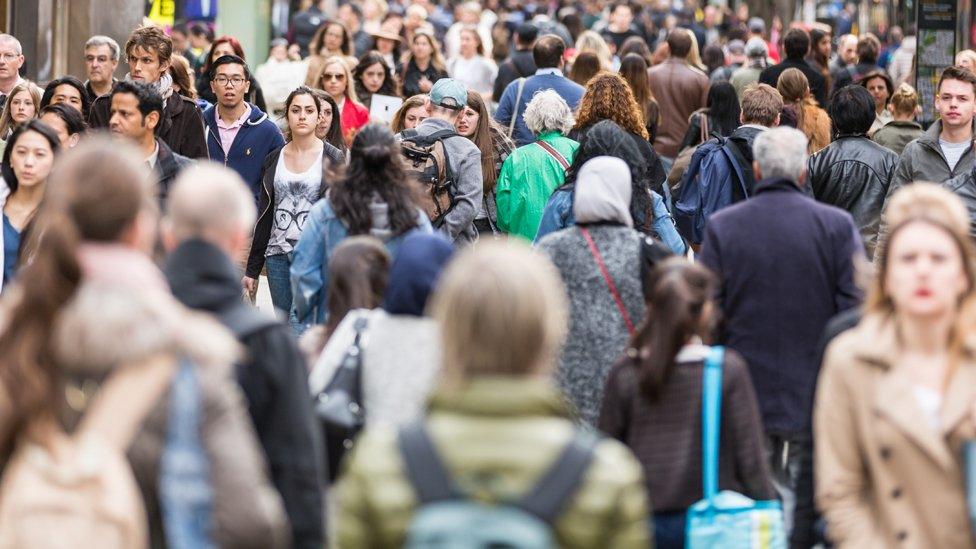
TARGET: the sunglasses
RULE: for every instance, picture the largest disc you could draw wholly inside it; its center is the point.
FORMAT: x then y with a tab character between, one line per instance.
331	76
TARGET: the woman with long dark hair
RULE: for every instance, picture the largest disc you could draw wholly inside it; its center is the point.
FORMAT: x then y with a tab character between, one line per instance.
819	56
720	116
374	196
373	75
329	128
652	401
227	45
476	124
68	90
633	67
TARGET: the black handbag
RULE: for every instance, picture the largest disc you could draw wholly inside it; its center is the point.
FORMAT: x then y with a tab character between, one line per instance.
339	407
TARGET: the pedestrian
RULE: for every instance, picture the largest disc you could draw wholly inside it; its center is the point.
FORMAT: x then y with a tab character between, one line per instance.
336	80
68	90
796	43
881	89
619	25
867	50
471	66
410	114
530	175
680	90
548	55
502	314
291	183
900	67
209	219
372	197
95	315
422	66
845	60
853	172
599	262
469	16
646	402
201	37
806	252
227	45
278	76
894	399
66	122
719	117
101	59
635	45
902	129
351	17
26	167
386	42
306	23
137	111
476	124
821	49
585	66
749	73
21	105
11	60
465	187
399	344
761	109
181	126
520	63
373	76
799	103
329	129
734	58
331	40
591	41
633	68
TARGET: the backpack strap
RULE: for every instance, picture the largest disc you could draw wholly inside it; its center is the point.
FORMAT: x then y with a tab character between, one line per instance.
555	489
553	153
425	469
518	99
711	419
429	139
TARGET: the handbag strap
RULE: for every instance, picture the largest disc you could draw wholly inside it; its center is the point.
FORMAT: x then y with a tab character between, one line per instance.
711	418
554	154
704	127
609	279
518	99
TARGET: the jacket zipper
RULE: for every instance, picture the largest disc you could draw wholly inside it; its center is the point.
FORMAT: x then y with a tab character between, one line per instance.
217	137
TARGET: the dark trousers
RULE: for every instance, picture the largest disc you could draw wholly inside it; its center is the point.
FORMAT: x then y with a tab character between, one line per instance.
669	530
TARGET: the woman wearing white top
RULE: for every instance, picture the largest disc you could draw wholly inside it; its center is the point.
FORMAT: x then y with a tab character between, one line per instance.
471	67
291	183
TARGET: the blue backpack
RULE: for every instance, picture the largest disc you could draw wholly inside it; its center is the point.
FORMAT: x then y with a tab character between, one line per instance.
707	186
448	518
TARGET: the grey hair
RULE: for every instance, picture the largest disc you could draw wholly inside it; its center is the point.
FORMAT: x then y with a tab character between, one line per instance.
781	152
101	40
210	202
547	112
13	40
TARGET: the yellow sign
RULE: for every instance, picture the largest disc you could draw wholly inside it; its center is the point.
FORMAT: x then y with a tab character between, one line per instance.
163	12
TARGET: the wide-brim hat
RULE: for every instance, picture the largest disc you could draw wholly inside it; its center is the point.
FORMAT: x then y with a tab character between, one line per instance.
386	34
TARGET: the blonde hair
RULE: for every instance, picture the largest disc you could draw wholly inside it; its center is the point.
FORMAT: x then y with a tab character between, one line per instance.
502	309
966	54
694	56
592	42
350	91
6	119
904	100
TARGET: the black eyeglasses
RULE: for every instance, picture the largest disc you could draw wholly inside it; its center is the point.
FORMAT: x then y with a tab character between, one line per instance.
223	80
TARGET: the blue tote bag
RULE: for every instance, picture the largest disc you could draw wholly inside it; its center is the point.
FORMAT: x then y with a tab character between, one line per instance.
727	520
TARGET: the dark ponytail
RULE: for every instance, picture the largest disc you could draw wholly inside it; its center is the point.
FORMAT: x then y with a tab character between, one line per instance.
677	294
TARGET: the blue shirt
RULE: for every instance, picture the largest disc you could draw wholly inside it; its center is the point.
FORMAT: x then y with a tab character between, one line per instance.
11	249
544	79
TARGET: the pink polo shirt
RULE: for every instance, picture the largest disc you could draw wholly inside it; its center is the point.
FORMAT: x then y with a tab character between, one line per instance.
228	133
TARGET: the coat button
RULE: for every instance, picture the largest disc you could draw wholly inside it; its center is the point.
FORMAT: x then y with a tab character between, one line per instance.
901	536
896	493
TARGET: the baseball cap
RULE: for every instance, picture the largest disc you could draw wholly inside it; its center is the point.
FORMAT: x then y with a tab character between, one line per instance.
757	25
756	47
735	47
449	93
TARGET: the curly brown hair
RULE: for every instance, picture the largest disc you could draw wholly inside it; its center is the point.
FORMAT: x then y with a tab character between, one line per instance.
608	97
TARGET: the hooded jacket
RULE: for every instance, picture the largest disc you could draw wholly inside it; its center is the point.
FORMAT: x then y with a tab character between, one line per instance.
256	139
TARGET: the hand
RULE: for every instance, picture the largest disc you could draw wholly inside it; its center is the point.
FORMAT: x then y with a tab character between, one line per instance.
425	84
250	284
294	52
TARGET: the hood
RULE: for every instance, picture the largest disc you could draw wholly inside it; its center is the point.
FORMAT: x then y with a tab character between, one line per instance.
256	117
202	277
419	260
603	192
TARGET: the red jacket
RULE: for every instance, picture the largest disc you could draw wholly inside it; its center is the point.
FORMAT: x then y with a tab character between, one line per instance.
354	116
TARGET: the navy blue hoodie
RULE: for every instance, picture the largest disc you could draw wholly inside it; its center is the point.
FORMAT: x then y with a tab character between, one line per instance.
254	141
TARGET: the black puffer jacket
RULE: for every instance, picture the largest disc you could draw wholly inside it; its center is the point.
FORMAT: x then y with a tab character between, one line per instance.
853	174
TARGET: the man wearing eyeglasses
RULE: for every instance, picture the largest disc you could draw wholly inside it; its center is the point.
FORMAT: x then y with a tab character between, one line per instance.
11	59
239	134
148	52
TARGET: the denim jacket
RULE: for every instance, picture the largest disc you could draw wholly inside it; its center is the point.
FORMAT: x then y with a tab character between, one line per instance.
310	259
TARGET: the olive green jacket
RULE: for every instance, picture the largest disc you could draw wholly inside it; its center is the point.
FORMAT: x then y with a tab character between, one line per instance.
497	437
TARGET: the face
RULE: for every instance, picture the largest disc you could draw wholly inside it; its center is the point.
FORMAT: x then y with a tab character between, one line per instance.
469	44
325	120
954	101
303	115
847	50
965	62
220	50
373	77
824	46
31	159
414	116
145	66
22	107
58	125
622	17
925	275
180	42
333	38
467	122
99	64
230	85
10	61
879	91
127	121
334	81
422	48
279	53
385	45
348	17
67	94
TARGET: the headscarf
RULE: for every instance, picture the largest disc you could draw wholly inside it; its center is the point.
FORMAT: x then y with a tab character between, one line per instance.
419	260
603	192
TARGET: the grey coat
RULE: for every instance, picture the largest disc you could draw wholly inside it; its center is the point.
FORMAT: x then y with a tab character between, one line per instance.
597	333
896	135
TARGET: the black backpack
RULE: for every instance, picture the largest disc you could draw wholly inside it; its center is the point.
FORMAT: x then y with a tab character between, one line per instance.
427	161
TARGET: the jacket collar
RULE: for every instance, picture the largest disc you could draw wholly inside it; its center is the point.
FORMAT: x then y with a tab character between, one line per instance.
931	135
776	184
254	118
500	396
166	165
876	344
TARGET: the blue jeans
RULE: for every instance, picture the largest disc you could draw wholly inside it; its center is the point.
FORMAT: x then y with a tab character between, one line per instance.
669	530
279	285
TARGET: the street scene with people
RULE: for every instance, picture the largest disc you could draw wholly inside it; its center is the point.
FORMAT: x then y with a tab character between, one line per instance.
488	274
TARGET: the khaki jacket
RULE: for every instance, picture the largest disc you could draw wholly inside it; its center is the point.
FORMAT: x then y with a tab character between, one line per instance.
885	477
497	436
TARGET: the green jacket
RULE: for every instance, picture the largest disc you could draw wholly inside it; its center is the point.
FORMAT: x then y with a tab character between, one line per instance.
497	436
528	177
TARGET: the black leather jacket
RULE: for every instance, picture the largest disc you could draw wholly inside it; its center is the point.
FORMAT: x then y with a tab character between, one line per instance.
853	173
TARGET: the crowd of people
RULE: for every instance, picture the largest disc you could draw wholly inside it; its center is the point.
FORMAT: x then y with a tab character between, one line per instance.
586	275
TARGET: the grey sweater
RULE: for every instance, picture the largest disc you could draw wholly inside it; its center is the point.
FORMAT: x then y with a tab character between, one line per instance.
464	158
